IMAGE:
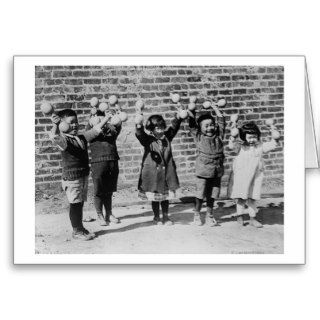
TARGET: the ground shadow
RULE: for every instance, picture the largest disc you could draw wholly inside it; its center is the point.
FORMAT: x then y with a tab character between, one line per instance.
138	215
174	209
270	215
273	214
182	214
126	228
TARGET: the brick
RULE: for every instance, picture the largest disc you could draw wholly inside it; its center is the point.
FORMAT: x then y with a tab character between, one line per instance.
169	72
80	73
61	74
162	80
215	71
225	92
275	70
92	81
74	82
252	116
181	71
97	73
38	90
43	74
240	91
194	79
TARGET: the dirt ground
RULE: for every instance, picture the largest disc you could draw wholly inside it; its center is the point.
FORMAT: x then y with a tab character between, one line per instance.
137	234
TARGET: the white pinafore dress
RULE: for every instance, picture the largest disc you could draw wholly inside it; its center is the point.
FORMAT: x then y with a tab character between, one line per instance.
248	171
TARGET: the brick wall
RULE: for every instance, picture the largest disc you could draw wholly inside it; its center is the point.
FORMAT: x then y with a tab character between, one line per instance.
256	93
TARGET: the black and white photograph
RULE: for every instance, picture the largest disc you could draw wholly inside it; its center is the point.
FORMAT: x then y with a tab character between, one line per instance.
159	159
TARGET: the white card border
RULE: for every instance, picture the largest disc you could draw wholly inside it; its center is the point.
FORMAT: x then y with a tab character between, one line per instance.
24	187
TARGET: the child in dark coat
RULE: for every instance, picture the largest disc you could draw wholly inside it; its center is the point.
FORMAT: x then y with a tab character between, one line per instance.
158	178
208	135
105	170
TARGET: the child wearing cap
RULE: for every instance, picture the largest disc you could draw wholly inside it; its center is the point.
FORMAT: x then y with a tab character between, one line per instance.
105	170
75	164
208	133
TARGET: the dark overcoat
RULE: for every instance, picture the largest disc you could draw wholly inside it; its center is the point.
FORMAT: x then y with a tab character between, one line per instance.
158	170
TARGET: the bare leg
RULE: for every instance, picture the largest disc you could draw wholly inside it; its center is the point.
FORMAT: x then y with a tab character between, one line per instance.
252	208
240	209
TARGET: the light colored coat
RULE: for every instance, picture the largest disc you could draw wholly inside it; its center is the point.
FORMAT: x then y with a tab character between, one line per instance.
248	169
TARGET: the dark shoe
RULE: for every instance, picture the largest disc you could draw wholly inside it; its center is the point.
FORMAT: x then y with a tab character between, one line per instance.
157	220
167	221
113	219
240	220
83	234
101	220
255	223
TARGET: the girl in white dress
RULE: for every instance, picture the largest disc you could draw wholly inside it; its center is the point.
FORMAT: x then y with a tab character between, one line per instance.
248	169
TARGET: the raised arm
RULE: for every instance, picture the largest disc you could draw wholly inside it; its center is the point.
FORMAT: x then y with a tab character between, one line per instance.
113	130
54	134
269	145
220	121
234	145
173	129
193	123
141	135
88	126
108	129
97	129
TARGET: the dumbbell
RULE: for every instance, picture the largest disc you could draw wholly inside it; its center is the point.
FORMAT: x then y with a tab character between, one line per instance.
175	97
275	134
234	120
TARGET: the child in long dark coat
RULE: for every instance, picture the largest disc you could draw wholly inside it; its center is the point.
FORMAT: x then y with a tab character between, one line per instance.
105	170
158	178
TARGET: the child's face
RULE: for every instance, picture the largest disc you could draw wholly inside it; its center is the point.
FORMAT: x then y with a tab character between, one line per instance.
72	121
158	132
251	138
207	127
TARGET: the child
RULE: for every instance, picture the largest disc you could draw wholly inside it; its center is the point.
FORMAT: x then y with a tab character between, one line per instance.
105	170
158	178
248	170
208	134
75	165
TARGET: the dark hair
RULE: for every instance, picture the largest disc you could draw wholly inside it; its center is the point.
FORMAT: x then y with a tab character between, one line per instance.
66	113
205	117
100	113
249	128
155	121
